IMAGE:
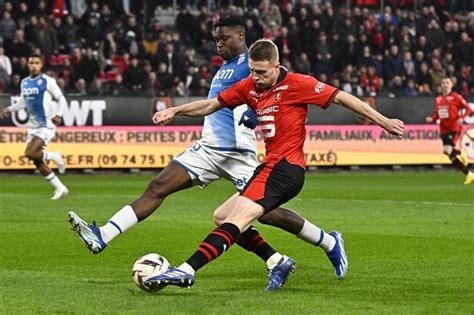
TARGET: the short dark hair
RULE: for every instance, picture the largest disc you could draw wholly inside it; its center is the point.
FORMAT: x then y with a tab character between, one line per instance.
231	21
263	50
34	55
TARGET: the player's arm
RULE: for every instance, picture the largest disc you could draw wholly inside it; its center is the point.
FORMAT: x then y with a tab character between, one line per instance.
393	126
58	96
465	106
193	109
20	104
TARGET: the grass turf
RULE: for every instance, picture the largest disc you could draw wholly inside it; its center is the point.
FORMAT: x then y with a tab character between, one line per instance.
409	238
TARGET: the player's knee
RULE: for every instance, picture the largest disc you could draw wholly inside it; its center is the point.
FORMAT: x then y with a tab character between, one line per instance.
218	217
269	218
31	154
447	150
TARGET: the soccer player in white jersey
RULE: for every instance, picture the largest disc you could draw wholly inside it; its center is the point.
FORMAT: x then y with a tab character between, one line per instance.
37	94
226	150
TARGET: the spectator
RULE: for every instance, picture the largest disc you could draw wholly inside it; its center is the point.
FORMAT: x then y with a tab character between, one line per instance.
437	74
98	88
7	29
423	79
90	33
20	67
393	64
71	32
20	48
117	87
170	58
44	37
166	80
302	64
435	35
81	87
134	75
410	89
5	62
395	87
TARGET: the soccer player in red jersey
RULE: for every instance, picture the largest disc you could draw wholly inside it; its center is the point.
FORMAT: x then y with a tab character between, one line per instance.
448	110
280	99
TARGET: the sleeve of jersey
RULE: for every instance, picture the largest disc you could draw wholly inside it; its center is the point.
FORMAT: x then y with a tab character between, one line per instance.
233	96
57	94
465	105
311	91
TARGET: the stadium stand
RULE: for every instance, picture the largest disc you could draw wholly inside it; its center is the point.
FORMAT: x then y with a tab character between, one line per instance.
397	47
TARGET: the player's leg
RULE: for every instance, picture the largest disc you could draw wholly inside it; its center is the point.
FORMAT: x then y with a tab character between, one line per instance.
456	157
214	245
240	168
269	187
171	179
251	240
187	169
34	152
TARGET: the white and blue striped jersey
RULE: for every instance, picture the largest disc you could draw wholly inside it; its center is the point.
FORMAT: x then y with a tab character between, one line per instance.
221	130
38	95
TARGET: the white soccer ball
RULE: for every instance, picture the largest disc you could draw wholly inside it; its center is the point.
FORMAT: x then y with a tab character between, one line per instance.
148	266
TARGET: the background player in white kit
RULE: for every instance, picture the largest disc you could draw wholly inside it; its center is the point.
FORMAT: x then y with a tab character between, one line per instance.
227	149
37	94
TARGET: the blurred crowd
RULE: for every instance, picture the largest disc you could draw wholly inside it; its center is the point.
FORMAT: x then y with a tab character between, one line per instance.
120	47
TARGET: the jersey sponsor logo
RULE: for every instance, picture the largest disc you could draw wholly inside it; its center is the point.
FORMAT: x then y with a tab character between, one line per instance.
281	88
255	94
225	74
30	91
267	110
319	87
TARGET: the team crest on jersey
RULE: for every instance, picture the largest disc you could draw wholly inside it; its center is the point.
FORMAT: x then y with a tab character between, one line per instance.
319	87
241	59
277	96
40	81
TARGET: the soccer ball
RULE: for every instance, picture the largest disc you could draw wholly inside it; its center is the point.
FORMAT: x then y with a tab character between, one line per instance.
148	266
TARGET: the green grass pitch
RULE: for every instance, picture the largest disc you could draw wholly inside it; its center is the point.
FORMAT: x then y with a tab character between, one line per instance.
409	239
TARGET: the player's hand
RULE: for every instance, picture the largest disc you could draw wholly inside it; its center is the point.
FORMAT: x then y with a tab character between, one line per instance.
460	121
4	112
163	117
395	127
249	119
56	120
429	120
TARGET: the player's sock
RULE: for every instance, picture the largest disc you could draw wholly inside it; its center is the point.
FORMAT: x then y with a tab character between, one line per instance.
121	221
54	156
252	241
55	181
274	260
216	243
456	163
187	268
316	236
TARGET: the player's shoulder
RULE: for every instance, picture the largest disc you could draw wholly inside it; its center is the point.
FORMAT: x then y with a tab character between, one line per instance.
457	96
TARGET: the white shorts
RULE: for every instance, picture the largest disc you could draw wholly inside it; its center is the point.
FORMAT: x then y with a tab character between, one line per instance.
206	165
44	134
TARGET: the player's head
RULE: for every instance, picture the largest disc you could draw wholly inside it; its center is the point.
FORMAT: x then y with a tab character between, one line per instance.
264	63
34	64
230	36
446	85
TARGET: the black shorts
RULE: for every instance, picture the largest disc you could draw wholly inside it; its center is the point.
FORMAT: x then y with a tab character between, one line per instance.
450	138
273	185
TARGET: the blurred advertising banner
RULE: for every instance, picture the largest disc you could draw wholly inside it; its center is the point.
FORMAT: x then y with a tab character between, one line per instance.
155	147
